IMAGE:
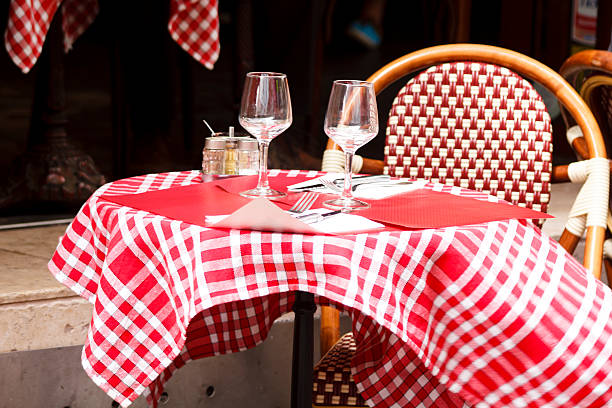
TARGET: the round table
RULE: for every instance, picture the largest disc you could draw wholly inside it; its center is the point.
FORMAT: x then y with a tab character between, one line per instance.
493	314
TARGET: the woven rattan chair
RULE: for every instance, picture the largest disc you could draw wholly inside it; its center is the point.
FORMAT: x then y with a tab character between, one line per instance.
470	119
590	72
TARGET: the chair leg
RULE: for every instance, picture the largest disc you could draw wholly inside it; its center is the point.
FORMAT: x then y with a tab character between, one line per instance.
569	241
608	266
330	328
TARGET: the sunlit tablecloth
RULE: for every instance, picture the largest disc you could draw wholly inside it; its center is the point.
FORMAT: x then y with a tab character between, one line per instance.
194	25
494	314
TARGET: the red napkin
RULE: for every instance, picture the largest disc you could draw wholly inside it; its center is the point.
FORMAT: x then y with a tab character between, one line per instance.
425	208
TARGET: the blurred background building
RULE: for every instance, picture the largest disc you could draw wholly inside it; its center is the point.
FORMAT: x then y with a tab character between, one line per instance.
135	101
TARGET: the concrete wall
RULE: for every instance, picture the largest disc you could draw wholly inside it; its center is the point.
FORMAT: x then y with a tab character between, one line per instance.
260	377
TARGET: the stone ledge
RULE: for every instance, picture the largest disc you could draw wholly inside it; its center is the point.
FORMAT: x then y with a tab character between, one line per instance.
43	324
36	311
24	254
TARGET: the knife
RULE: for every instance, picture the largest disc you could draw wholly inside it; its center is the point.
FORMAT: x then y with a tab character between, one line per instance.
372	178
316	217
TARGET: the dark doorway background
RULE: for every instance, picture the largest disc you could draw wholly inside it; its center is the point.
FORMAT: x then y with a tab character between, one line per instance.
165	94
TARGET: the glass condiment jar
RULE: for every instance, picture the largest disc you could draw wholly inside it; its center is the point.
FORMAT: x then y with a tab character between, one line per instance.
230	158
213	156
248	156
229	153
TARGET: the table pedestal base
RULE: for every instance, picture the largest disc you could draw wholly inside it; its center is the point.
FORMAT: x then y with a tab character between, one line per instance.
50	174
52	170
303	344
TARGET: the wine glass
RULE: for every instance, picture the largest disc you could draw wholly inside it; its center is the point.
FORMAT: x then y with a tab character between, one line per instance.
265	112
351	121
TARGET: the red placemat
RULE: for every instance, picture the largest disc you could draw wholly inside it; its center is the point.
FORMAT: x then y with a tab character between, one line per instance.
194	202
425	208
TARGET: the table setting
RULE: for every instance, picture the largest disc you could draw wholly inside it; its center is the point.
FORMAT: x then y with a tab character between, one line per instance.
219	204
457	298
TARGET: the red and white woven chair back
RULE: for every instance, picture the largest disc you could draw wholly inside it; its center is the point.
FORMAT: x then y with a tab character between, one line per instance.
474	125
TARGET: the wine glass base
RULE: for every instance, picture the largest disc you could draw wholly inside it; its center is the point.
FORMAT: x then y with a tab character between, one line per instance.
262	193
346	204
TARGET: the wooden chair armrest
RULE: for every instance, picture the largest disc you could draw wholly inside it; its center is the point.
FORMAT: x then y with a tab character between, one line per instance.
372	166
580	147
560	174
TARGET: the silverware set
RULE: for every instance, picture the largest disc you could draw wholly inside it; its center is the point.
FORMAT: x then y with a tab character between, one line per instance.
305	203
311	191
338	182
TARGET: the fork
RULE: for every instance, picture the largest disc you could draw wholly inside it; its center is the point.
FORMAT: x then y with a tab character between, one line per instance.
331	185
304	202
334	187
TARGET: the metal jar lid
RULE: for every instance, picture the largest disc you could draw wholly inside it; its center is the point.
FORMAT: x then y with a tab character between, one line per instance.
215	143
247	143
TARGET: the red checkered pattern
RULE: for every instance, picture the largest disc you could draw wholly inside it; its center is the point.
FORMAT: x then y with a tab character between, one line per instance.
418	388
26	29
474	125
193	25
493	314
77	15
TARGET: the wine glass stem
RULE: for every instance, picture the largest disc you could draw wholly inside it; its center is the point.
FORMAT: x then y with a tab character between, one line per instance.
262	181
347	192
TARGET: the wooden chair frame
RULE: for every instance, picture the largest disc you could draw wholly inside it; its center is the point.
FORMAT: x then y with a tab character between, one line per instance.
526	67
598	65
571	70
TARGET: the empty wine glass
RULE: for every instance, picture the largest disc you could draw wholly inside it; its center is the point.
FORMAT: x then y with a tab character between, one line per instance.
351	121
265	112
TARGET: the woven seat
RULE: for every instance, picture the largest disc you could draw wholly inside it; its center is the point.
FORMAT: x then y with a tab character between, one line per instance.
471	119
332	384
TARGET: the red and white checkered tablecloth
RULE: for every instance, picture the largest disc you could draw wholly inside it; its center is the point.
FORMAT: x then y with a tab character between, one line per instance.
494	314
194	25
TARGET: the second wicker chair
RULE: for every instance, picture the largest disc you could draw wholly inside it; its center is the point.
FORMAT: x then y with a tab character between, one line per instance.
471	119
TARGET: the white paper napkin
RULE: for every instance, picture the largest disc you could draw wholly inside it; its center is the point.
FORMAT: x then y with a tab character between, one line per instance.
372	190
378	191
342	222
271	218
